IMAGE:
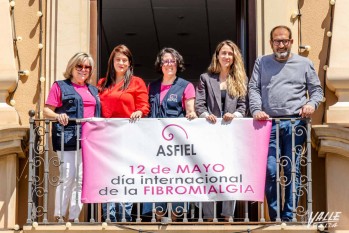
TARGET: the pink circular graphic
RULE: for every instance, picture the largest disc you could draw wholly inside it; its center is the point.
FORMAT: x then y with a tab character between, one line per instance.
170	135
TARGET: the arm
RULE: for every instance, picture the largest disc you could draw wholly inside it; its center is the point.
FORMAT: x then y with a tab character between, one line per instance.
49	112
315	92
255	93
201	103
241	104
240	111
53	101
189	107
141	100
189	101
241	107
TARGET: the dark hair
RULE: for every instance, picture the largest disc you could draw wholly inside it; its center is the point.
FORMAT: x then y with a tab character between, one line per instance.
175	54
281	26
111	74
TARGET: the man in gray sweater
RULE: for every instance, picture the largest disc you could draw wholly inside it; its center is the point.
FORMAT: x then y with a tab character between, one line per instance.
278	89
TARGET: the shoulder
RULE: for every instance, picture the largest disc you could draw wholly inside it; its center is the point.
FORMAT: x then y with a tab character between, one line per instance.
182	82
189	91
137	79
265	58
206	76
209	76
137	83
55	87
302	59
62	82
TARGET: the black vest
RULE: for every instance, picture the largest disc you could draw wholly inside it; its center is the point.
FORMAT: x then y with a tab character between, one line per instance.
73	106
171	105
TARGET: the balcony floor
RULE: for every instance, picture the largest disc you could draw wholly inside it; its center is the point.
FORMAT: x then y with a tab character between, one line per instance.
172	227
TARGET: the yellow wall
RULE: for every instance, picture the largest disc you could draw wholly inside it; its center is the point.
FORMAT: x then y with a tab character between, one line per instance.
28	95
315	22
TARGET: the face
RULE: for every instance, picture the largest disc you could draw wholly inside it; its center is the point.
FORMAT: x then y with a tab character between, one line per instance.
168	65
81	72
226	57
121	64
281	44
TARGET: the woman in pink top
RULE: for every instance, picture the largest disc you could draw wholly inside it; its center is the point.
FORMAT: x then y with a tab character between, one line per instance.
71	98
170	97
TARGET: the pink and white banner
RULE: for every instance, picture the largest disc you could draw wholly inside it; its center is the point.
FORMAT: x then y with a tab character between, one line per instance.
174	160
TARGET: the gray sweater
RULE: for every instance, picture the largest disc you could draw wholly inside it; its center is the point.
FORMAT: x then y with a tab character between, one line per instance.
280	88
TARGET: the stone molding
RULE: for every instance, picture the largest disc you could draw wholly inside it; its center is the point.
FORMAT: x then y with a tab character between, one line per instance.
331	139
13	141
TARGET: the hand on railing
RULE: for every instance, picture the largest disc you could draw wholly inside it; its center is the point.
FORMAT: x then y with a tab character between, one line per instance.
261	116
306	111
62	118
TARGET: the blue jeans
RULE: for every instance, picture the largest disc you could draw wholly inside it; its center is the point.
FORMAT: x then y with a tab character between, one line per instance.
115	211
285	148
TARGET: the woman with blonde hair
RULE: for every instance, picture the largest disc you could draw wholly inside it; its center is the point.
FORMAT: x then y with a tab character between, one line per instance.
71	98
221	93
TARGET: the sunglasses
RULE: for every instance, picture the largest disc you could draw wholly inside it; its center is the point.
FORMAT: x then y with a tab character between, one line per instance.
81	67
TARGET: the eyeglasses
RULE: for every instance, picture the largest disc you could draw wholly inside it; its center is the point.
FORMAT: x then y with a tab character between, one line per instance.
81	67
284	42
168	62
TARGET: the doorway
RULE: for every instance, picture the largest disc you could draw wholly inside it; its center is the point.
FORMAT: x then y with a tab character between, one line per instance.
194	28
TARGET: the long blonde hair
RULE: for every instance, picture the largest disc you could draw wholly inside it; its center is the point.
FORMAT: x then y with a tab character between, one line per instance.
237	78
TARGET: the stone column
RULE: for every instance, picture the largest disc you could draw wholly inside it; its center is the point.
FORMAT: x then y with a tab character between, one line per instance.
338	71
10	149
8	70
11	133
332	143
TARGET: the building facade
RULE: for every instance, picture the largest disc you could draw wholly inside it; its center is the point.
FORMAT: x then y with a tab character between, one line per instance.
38	37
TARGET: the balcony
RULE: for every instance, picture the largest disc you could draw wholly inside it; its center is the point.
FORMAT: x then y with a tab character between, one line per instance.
249	216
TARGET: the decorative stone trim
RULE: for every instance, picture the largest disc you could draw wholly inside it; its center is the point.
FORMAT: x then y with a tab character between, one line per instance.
14	140
331	139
